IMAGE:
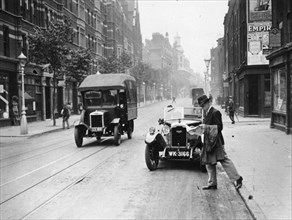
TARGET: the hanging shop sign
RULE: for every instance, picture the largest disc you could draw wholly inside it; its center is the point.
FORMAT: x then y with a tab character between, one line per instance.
259	10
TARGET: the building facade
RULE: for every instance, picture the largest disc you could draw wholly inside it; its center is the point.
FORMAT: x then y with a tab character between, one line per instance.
217	70
246	30
91	20
281	65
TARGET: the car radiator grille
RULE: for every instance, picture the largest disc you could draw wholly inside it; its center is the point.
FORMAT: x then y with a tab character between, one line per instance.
178	136
96	120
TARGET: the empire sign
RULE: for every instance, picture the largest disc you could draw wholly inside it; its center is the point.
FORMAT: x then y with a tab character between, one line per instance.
259	28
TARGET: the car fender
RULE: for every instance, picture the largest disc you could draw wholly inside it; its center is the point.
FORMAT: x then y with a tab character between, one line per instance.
156	140
80	124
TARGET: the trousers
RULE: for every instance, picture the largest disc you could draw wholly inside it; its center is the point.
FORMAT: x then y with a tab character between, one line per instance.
229	168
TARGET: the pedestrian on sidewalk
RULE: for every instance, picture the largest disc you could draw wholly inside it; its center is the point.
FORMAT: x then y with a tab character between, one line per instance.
65	112
231	109
213	150
15	112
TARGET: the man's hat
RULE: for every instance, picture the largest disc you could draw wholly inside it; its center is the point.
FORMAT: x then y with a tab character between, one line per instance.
202	100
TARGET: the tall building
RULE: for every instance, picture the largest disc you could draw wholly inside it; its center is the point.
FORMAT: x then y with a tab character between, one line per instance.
217	69
123	29
104	26
246	36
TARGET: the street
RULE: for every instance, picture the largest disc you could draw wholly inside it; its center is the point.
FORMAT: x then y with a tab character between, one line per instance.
48	177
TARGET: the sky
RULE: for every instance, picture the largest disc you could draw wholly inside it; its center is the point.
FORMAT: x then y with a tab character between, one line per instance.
199	23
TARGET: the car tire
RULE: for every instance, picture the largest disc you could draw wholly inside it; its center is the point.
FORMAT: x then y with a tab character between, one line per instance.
117	135
78	137
151	158
130	129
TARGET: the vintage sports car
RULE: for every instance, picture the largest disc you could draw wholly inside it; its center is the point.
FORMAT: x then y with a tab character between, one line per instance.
178	138
109	103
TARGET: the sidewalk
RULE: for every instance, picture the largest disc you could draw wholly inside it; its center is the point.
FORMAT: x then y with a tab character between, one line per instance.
43	127
262	156
37	128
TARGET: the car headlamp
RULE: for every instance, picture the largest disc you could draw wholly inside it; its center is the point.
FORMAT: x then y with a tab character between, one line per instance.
121	105
152	130
165	130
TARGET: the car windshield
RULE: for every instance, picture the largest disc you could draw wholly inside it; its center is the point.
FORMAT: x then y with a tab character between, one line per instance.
184	113
100	98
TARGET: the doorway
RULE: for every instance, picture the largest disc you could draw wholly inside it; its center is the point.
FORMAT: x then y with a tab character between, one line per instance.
253	95
48	102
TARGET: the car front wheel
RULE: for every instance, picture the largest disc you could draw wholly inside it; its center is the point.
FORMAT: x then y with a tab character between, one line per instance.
78	136
151	157
117	135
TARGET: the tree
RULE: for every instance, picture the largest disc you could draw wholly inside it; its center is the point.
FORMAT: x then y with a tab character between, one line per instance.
48	46
125	62
114	64
108	65
78	64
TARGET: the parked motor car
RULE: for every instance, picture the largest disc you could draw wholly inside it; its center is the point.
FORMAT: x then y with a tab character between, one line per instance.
109	107
178	137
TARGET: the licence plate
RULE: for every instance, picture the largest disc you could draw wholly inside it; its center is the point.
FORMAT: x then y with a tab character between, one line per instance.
179	154
96	129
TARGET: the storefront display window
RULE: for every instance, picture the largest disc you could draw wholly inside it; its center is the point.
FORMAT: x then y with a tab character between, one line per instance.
279	90
4	97
32	95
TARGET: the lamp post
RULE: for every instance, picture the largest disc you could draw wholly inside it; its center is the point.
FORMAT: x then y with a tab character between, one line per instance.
207	63
23	121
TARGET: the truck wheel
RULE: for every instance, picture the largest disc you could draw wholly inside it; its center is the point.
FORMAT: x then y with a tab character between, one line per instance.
78	136
151	158
117	135
130	129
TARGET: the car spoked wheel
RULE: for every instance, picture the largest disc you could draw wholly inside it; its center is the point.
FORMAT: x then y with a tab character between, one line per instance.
117	135
151	158
78	136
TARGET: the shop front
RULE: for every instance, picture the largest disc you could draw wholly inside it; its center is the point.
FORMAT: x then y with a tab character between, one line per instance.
252	92
281	83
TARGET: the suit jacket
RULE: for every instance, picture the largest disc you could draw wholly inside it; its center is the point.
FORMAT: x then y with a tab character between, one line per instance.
214	117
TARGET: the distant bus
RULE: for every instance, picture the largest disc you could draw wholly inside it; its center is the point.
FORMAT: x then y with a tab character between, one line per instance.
195	94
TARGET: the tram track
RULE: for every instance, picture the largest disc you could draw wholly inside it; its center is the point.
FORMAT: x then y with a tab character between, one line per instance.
62	176
38	148
5	164
46	166
78	180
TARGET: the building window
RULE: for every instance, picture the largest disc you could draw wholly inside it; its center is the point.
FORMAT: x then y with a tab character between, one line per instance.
4	4
24	44
279	90
66	3
6	42
77	35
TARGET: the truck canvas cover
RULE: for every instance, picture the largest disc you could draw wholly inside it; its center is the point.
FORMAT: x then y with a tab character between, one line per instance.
105	81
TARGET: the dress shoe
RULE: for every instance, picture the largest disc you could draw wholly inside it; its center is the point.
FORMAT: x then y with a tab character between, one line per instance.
238	183
209	187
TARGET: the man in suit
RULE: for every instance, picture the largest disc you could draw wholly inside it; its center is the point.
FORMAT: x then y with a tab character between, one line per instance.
213	150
